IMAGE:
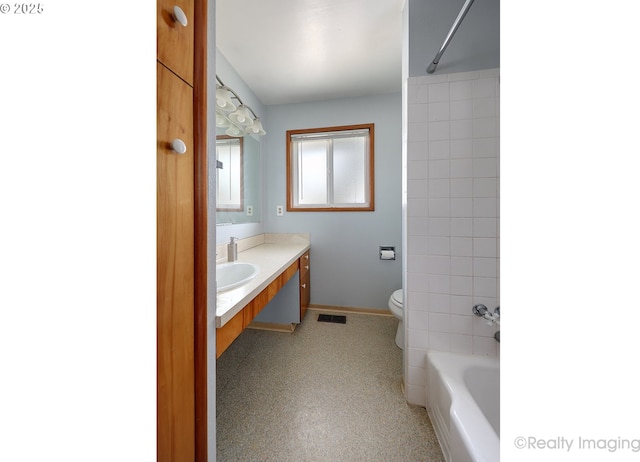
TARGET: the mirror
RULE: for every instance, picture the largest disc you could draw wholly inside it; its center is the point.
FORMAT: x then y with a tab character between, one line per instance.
238	181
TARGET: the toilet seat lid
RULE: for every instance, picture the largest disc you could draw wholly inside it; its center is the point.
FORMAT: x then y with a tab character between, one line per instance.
397	297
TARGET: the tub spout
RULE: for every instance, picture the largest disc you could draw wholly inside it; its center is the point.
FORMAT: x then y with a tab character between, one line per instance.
497	336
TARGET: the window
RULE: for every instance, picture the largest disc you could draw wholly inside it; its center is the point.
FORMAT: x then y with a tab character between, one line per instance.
330	169
229	194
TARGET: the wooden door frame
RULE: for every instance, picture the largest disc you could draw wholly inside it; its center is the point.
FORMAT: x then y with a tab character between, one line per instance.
200	226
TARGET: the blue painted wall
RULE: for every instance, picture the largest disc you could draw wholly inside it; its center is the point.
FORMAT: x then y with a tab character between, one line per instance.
346	270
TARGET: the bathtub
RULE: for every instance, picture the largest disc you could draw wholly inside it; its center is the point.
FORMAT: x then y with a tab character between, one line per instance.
463	402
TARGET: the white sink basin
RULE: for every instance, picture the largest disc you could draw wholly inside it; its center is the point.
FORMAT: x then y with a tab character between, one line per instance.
234	274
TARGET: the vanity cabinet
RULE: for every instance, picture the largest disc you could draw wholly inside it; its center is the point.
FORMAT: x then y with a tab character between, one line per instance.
305	284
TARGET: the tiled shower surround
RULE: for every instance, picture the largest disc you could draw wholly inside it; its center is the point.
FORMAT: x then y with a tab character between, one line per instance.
452	217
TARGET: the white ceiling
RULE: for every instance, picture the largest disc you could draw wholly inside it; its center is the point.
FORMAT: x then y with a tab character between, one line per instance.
309	50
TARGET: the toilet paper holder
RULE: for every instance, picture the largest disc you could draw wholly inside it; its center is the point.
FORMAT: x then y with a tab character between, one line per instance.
387	252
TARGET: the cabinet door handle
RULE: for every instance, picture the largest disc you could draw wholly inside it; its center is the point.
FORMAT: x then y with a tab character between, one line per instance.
306	267
306	256
178	146
304	286
179	15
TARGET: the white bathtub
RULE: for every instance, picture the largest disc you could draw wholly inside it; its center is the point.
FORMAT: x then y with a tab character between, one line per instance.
463	401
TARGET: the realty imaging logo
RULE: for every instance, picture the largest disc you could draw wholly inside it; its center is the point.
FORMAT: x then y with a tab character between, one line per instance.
562	443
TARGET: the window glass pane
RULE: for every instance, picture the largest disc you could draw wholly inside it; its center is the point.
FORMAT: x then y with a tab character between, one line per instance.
312	172
349	161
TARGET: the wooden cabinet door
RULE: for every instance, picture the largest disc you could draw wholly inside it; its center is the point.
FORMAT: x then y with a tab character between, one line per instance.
175	253
175	41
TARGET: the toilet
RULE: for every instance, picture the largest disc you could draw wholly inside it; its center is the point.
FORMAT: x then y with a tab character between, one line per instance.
396	305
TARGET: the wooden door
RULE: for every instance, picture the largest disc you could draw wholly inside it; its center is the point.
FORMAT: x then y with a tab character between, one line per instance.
175	247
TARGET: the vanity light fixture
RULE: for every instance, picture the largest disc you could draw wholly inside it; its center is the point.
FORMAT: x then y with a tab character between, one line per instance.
239	120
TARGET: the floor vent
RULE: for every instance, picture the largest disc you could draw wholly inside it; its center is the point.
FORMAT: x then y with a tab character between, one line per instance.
339	319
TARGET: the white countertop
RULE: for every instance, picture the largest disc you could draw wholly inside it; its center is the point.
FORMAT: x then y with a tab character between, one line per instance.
272	259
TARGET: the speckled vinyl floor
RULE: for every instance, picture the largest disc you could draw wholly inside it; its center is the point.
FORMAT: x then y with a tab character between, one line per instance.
326	392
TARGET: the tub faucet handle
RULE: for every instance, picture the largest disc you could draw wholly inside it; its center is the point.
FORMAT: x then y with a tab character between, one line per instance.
483	312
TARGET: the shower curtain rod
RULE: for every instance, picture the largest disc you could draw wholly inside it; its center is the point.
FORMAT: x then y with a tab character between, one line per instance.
454	28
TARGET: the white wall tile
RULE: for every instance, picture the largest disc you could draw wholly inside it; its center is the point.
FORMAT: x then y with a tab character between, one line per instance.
439	227
418	339
484	346
439	149
461	90
440	264
461	246
484	88
440	245
462	266
461	148
417	226
485	187
418	263
439	302
485	128
416	395
485	267
439	188
439	341
438	92
439	284
463	129
484	107
461	227
485	167
484	247
484	227
417	207
461	325
418	244
461	285
461	168
461	187
484	287
461	207
418	150
438	111
486	207
439	207
439	169
439	130
417	358
485	147
416	169
418	317
452	223
416	132
463	109
418	112
461	344
439	322
416	188
461	304
416	376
